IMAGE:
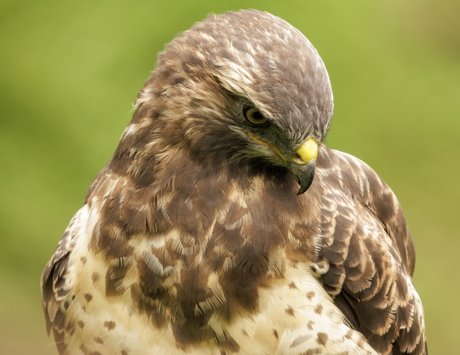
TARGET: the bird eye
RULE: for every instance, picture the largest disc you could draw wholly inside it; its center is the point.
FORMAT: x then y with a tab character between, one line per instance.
254	116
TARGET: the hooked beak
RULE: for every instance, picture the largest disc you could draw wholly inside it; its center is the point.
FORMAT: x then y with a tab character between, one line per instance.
302	167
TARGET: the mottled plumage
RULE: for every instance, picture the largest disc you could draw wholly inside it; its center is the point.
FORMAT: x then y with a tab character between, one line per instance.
194	239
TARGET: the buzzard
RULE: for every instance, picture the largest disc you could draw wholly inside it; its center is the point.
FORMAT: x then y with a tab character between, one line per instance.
224	225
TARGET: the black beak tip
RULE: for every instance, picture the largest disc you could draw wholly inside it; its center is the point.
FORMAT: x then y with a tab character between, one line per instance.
301	191
304	187
304	175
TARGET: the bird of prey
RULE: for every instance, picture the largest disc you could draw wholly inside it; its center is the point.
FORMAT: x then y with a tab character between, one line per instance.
224	225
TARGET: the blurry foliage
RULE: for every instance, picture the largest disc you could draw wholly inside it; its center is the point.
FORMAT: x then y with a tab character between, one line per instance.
70	71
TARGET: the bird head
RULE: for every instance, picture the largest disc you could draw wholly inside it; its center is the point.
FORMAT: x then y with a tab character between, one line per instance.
245	89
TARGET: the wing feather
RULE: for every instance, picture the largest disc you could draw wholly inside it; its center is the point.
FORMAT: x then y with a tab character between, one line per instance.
56	283
371	254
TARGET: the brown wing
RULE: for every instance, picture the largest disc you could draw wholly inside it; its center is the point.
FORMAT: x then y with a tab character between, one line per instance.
371	256
55	283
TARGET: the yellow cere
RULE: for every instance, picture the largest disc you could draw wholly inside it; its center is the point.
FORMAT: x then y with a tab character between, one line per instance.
307	151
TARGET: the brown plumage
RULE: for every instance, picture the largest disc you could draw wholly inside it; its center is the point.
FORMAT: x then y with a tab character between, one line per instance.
193	239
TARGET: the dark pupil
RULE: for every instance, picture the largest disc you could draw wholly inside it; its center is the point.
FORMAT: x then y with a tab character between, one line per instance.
257	115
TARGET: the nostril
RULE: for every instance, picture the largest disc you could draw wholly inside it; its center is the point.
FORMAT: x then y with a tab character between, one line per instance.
298	160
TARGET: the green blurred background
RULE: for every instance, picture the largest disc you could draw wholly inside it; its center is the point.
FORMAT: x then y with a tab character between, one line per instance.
70	70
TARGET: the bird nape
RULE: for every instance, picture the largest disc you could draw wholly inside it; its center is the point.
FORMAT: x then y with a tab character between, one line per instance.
223	224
